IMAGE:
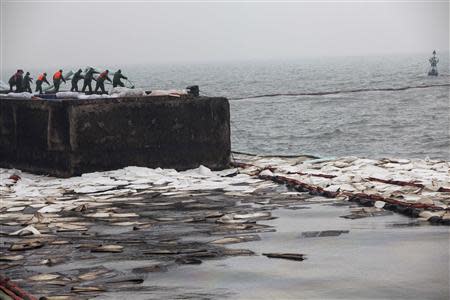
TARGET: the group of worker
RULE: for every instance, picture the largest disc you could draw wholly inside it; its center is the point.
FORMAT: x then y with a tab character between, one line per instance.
23	83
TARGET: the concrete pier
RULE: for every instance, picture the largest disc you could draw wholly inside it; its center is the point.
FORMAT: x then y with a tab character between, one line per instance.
70	137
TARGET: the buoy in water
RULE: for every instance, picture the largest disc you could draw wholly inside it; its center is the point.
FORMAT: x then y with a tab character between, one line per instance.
433	62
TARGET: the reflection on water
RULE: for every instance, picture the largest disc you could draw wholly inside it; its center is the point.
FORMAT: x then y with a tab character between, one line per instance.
375	260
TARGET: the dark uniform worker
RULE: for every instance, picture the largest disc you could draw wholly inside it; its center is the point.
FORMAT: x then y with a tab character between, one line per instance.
116	79
16	81
88	80
26	83
76	77
57	77
41	78
101	81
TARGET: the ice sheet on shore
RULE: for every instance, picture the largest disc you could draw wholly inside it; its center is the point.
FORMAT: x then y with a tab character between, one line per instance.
425	181
35	190
416	180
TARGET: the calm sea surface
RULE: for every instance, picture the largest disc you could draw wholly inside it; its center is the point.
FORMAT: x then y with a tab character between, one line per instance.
412	123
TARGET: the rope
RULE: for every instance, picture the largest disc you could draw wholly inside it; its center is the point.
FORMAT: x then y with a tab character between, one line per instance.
282	156
132	84
344	91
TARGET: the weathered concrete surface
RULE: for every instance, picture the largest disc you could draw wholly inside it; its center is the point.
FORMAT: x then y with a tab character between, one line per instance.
71	137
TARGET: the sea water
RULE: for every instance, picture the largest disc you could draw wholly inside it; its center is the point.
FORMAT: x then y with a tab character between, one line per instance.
404	123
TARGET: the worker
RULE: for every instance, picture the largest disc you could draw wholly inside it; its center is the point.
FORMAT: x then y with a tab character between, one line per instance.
41	78
16	81
116	79
26	83
57	77
88	80
101	81
76	77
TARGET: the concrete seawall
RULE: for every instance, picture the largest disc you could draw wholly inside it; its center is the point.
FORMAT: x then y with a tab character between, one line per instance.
70	137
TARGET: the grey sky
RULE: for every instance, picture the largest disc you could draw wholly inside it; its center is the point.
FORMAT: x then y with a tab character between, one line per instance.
44	34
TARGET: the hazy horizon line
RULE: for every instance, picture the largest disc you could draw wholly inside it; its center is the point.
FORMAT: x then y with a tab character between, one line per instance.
440	53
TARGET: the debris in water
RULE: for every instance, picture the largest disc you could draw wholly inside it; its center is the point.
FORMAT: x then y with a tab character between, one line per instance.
14	178
27	245
188	261
65	227
59	242
236	239
142	226
92	275
256	215
87	289
81	208
161	252
11	257
53	261
44	277
150	269
325	233
365	212
57	297
29	230
290	256
187	217
379	204
228	219
127	280
108	248
237	252
244	218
